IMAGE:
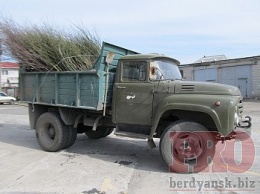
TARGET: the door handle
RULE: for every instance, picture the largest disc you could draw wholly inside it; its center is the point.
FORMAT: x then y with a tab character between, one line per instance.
130	97
121	87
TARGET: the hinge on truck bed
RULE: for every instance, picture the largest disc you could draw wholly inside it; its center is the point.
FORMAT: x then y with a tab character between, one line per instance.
34	99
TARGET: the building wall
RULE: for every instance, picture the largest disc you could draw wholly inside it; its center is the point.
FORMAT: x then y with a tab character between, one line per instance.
243	73
187	73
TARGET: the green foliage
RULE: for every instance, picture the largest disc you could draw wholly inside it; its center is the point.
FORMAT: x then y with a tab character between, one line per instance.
46	49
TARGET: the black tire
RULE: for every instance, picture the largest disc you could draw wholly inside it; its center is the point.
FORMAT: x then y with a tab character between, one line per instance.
52	134
109	131
72	136
99	133
186	146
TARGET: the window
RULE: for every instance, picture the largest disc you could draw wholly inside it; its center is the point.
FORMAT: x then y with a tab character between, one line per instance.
4	72
164	70
134	71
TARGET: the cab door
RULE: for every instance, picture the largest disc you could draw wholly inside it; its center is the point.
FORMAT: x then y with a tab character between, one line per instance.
133	95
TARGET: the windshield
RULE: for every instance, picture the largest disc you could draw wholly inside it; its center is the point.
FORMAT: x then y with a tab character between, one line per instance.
164	70
2	94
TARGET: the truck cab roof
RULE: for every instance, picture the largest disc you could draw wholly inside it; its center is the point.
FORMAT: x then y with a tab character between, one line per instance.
149	57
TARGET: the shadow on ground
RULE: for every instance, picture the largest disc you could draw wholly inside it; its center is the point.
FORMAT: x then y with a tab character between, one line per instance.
133	153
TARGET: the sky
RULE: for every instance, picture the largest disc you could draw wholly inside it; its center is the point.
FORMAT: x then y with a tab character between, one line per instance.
182	29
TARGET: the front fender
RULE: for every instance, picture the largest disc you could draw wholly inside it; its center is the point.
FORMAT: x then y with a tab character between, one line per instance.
195	103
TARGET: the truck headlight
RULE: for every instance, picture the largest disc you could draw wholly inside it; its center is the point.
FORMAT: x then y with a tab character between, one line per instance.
236	119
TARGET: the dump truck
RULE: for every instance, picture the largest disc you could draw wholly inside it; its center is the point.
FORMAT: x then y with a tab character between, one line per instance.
139	96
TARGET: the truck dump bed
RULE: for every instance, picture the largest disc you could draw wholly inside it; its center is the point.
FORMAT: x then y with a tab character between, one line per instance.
84	89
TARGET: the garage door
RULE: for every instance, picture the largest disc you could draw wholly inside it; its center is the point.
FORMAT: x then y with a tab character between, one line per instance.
206	75
239	76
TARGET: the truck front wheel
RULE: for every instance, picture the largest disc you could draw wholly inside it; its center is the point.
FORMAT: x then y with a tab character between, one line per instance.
52	134
187	147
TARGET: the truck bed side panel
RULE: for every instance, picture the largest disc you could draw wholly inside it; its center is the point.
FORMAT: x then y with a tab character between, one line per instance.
73	89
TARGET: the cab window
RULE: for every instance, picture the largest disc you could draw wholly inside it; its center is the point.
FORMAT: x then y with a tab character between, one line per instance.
134	71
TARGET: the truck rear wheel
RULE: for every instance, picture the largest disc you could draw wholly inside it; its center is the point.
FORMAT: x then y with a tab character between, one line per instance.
99	133
52	134
72	136
186	147
109	131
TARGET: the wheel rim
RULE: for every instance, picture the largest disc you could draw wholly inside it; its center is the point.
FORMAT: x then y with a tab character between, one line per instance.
187	147
51	131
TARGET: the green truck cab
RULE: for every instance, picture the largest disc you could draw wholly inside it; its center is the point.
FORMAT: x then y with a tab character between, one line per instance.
139	96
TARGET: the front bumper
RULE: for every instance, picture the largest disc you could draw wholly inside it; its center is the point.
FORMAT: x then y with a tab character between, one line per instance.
243	131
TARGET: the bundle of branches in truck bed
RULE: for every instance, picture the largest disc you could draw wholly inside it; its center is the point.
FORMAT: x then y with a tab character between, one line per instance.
46	49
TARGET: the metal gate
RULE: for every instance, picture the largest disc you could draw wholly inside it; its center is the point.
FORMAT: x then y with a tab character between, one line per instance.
239	76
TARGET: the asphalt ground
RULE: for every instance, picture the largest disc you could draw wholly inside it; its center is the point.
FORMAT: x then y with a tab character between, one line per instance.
109	165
